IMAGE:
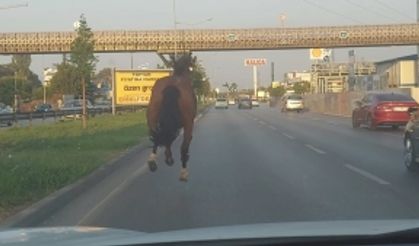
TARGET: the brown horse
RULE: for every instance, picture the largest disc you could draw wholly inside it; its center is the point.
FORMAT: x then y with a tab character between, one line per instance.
172	107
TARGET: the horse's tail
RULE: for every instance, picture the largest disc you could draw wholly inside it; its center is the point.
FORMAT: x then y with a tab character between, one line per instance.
169	122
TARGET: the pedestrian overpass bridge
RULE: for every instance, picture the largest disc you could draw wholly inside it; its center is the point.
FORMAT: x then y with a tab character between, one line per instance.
170	41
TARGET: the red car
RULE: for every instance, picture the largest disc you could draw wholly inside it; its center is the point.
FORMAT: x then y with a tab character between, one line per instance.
377	109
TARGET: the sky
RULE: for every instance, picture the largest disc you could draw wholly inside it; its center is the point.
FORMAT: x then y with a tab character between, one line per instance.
59	15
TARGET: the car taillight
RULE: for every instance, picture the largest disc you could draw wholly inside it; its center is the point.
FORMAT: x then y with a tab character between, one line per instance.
384	107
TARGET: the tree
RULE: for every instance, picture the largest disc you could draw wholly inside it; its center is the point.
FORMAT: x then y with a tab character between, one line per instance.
232	88
301	87
66	80
277	92
200	80
83	59
21	64
104	76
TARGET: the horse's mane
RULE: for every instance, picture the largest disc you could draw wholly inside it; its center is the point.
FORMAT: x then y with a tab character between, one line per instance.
182	64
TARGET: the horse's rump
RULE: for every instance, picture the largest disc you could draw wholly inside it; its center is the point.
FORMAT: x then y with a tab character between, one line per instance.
169	121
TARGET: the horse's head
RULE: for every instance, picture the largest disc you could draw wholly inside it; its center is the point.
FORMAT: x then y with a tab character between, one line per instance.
183	64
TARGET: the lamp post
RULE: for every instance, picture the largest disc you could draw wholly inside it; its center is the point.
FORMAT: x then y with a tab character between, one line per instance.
282	19
15	97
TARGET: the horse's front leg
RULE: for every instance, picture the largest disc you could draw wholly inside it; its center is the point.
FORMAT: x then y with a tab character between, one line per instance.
184	150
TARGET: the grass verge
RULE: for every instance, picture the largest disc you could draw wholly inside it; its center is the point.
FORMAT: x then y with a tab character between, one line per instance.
37	161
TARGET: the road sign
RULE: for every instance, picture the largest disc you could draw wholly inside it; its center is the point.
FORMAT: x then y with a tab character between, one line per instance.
255	62
133	87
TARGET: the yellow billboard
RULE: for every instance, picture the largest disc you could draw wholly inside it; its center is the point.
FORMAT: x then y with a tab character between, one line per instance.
133	87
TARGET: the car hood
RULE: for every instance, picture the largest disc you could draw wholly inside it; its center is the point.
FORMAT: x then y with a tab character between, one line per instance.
291	230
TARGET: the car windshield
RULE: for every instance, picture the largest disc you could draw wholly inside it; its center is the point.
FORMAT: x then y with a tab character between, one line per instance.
395	97
295	97
164	115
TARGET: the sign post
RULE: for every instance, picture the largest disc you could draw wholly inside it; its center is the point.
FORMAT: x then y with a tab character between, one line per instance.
255	62
113	92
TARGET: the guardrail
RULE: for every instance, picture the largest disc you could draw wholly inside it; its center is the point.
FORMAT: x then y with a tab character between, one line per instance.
11	118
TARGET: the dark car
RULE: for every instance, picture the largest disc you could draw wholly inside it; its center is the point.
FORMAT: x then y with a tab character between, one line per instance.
245	103
379	109
43	108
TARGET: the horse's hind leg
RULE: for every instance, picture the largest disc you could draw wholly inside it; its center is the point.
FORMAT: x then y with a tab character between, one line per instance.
184	152
152	159
168	153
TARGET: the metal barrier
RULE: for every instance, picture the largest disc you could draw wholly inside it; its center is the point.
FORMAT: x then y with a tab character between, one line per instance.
11	118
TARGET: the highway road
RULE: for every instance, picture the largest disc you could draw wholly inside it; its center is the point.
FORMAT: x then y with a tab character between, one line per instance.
256	166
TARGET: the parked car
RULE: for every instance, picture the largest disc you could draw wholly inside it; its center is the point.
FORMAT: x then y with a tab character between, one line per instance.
76	106
231	102
245	103
221	103
103	104
43	108
380	109
292	102
5	109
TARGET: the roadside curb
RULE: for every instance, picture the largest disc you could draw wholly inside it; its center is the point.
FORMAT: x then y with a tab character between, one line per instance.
39	211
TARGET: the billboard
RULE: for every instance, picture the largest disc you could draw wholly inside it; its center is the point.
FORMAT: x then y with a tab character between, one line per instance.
133	87
320	54
255	62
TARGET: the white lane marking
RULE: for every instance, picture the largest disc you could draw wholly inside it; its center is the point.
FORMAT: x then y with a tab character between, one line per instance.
138	172
318	151
262	122
367	174
288	136
272	127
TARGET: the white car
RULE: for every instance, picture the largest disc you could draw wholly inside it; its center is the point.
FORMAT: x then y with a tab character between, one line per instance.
292	102
221	103
231	102
255	103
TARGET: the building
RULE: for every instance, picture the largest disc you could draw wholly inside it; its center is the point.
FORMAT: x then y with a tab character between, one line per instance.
294	77
339	77
399	72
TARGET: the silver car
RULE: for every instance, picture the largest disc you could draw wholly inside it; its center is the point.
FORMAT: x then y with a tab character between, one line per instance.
221	103
292	102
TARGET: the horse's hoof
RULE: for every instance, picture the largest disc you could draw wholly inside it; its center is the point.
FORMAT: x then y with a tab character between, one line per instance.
184	175
170	161
152	164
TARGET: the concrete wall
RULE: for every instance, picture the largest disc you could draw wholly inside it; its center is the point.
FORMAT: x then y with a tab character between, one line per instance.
342	104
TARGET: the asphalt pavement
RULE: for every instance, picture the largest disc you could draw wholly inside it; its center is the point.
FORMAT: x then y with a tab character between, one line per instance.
256	166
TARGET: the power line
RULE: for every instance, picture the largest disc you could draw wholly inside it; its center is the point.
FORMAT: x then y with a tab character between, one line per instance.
394	9
370	10
332	11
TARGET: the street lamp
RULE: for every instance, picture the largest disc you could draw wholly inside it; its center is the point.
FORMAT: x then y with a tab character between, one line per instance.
15	97
282	19
176	23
